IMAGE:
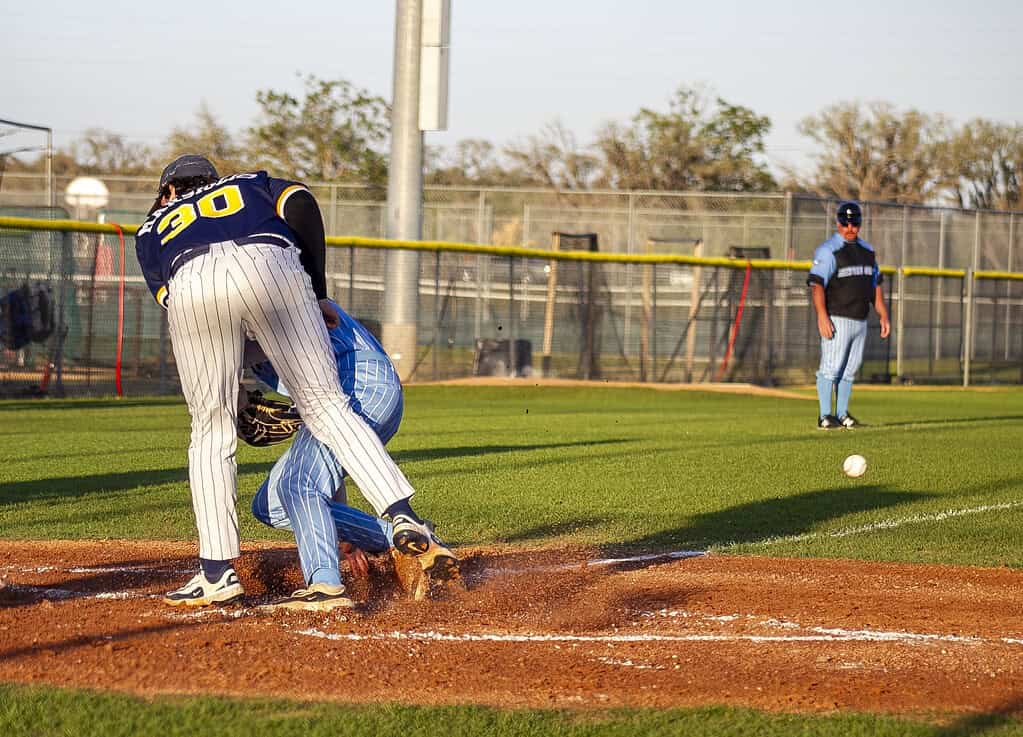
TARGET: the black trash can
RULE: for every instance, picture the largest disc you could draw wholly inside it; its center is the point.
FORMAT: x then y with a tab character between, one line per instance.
494	357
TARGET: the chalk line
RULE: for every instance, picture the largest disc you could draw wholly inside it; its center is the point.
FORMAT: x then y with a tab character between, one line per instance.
885	524
819	634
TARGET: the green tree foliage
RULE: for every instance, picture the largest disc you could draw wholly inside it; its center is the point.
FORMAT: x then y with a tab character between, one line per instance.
874	152
693	146
336	133
983	165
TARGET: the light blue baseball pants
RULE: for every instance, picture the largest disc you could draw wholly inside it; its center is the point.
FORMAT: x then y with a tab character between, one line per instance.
841	358
305	490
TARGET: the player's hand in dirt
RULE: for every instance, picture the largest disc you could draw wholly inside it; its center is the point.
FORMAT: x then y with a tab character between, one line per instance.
356	559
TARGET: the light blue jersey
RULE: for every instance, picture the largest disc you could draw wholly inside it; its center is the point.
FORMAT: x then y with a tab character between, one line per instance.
305	490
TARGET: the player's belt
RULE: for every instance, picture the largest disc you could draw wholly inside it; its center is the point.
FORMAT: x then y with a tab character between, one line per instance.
263	239
260	239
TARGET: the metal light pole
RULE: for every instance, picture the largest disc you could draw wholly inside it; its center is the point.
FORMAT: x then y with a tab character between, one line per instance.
419	103
404	192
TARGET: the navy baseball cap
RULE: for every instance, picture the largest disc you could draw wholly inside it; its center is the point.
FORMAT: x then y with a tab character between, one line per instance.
849	213
186	167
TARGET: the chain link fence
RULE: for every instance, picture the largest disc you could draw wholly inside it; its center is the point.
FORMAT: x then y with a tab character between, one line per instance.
530	315
790	225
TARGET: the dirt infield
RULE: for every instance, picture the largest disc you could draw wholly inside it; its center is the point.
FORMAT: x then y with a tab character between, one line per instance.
544	628
720	387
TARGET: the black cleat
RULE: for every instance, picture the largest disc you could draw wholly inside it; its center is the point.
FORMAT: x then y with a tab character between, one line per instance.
436	559
849	422
828	422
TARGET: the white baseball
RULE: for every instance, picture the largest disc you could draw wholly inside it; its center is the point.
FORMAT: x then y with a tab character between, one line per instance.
855	466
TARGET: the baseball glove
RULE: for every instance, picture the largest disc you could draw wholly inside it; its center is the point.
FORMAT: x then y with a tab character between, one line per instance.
266	421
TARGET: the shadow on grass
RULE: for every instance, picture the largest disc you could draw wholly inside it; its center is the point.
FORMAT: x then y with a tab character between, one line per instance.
72	404
766	518
71	487
1010	713
948	421
555	529
787	516
469	451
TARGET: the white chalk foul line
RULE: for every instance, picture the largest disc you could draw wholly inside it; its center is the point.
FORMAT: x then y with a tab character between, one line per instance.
885	524
47	592
821	634
814	634
595	563
92	569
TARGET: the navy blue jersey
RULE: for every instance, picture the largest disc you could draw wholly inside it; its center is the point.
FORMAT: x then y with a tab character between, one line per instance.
849	274
245	208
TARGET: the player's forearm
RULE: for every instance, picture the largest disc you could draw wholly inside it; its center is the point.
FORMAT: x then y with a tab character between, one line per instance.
879	305
303	216
820	305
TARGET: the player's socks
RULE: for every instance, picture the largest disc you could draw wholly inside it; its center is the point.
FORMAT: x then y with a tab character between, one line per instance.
824	386
403	509
843	395
329	576
214	569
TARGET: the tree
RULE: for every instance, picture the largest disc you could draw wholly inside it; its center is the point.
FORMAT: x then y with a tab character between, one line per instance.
983	166
695	145
336	133
100	151
874	152
472	161
553	158
734	137
207	136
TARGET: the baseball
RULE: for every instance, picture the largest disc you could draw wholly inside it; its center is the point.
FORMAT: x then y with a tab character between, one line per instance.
855	466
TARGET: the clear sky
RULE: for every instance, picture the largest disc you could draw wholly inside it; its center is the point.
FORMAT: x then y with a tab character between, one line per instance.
139	69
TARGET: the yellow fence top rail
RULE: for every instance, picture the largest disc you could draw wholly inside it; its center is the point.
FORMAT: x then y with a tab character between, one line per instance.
79	226
921	271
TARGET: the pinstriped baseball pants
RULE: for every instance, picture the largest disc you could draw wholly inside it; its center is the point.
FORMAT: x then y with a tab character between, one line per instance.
841	358
299	491
260	291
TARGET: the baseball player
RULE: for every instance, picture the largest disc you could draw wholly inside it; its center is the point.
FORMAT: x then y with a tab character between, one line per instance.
305	491
844	281
243	257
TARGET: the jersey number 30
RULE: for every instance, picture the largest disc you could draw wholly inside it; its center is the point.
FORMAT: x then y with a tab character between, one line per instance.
219	203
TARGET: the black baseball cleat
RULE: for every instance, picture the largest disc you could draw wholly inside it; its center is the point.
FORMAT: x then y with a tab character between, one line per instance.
200	591
828	422
849	422
417	539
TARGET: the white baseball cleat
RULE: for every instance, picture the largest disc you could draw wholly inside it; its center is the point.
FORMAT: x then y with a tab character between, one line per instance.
201	592
319	597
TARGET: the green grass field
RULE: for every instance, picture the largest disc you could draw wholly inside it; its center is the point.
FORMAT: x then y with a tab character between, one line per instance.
629	470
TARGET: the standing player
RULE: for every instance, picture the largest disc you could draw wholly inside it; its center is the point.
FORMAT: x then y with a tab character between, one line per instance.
243	256
844	281
305	491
